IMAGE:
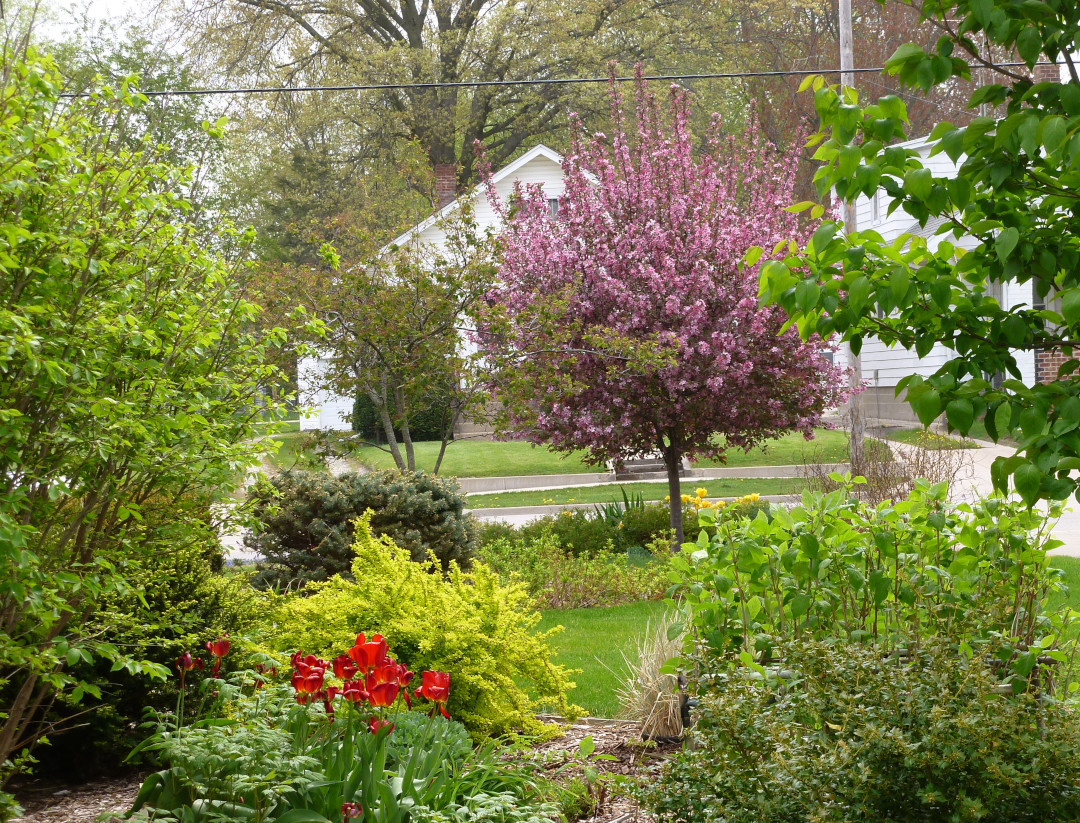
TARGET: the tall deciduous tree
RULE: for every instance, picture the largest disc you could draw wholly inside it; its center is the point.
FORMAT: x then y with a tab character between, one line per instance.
450	41
1013	201
629	322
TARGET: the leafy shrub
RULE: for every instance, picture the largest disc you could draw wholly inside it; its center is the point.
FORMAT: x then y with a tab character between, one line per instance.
836	567
413	729
613	527
175	602
854	736
558	579
465	623
307	521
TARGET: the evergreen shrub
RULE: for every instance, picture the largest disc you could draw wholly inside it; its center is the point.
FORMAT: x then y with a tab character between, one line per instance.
307	522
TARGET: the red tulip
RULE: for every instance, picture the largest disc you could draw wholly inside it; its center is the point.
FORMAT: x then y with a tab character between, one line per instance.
368	654
435	686
185	663
351	811
383	694
375	725
309	673
219	647
328	699
344	667
353	691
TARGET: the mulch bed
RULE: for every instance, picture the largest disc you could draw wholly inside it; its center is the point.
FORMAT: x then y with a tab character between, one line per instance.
55	803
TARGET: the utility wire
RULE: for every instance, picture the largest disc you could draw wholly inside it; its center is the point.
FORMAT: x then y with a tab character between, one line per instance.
485	83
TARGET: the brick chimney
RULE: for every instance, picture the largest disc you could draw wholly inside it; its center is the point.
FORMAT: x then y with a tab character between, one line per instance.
445	185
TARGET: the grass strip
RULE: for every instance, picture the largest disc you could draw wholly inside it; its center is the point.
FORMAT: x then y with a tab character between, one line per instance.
736	487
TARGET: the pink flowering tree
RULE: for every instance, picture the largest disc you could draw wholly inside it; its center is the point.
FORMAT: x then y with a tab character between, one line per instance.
629	322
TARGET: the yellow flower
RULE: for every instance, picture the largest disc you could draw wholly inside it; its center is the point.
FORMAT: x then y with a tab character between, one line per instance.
701	492
720	504
685	498
667	498
755	497
705	504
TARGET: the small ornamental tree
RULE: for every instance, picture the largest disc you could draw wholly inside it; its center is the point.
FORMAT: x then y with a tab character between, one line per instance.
629	323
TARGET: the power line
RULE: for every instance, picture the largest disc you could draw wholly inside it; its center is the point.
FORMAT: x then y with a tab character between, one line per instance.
734	75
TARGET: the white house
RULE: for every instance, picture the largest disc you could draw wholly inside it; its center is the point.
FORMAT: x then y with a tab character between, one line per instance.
882	366
538	166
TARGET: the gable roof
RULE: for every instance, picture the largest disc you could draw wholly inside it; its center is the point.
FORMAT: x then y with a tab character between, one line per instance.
506	171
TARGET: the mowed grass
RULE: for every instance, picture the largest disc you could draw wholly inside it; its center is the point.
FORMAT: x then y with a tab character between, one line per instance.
929	439
485	458
647	491
1071	567
828	446
593	640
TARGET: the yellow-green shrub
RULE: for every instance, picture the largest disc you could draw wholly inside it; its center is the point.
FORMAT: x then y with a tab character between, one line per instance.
465	623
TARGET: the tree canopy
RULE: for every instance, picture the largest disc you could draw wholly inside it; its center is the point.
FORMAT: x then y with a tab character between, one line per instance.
1015	196
629	323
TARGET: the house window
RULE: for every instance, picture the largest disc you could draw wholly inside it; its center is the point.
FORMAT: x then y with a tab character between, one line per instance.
553	206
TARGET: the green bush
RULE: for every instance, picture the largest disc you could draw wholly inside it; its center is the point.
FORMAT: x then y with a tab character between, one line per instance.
558	579
306	522
854	736
594	530
837	567
176	602
426	423
464	623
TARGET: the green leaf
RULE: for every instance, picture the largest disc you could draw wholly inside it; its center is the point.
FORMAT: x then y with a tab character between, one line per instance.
587	746
927	406
960	414
1070	306
1028	480
1005	243
800	605
1029	44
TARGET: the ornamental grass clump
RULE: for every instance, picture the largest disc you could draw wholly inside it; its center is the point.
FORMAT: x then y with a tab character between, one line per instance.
467	624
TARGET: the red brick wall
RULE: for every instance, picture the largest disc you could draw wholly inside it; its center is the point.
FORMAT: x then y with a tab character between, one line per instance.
1047	364
445	184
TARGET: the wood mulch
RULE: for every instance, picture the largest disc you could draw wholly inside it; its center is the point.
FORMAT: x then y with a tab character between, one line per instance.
90	802
110	799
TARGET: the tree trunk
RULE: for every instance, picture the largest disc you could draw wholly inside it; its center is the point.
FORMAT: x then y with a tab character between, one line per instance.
381	404
406	435
673	462
448	432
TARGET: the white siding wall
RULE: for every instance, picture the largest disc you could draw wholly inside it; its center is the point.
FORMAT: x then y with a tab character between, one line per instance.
322	410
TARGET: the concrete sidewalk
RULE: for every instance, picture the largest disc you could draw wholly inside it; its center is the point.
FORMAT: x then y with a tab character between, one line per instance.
974	482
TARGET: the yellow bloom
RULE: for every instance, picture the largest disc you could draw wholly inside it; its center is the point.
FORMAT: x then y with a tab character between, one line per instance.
755	497
701	492
720	504
667	498
705	504
685	498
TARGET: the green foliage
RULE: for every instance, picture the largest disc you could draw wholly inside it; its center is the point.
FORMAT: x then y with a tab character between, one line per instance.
307	521
894	574
558	579
132	370
1012	201
261	757
466	623
849	735
426	422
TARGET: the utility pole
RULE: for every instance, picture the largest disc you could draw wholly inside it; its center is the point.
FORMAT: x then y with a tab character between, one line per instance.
847	80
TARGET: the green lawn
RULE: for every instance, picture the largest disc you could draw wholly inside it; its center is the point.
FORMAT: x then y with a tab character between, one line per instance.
648	491
1071	566
290	450
485	458
922	437
593	640
828	446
